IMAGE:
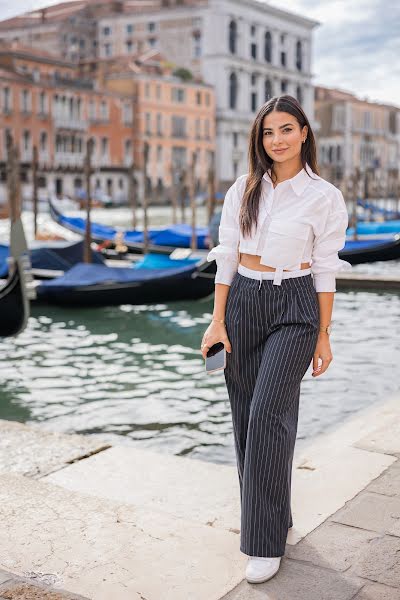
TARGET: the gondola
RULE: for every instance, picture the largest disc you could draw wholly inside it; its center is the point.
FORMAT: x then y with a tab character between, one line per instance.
92	285
163	240
366	251
17	291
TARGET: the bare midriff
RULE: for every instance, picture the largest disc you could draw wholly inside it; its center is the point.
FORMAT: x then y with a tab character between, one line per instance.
252	261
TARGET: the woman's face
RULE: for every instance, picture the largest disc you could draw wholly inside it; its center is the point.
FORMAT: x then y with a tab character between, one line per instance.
282	136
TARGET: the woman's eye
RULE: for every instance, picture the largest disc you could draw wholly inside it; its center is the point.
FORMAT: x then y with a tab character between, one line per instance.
287	129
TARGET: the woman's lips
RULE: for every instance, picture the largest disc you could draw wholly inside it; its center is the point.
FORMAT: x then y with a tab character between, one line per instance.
280	150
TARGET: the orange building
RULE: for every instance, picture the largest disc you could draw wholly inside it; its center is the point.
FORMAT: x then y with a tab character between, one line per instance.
174	115
45	103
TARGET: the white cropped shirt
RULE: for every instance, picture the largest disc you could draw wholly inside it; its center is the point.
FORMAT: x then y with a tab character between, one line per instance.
303	219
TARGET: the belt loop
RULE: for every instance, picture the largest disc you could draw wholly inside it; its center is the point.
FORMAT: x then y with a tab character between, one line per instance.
278	276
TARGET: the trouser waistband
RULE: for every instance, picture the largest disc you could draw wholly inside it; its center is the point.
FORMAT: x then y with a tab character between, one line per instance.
276	275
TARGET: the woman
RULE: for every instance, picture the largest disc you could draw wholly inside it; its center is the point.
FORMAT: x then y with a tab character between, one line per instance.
281	228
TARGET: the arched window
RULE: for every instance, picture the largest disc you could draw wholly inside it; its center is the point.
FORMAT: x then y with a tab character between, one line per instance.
267	90
267	47
299	56
299	94
232	37
233	88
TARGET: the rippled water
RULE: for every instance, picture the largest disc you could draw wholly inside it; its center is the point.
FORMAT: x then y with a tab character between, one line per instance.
134	374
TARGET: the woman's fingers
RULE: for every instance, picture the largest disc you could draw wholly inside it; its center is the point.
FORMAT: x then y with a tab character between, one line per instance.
319	369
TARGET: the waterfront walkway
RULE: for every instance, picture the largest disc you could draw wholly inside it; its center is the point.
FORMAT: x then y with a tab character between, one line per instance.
83	519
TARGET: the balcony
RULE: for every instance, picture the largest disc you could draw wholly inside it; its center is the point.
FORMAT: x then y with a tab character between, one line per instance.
70	123
69	159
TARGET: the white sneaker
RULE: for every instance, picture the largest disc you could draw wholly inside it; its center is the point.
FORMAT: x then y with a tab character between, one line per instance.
260	568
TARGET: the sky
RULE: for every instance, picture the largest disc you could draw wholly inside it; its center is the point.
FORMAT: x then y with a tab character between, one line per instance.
356	47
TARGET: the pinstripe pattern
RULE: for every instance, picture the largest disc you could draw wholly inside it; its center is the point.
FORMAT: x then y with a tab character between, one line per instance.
273	330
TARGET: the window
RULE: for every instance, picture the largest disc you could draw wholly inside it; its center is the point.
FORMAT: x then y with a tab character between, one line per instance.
151	26
232	35
197	127
299	55
104	110
267	90
178	126
178	95
253	50
107	49
233	90
26	140
283	59
159	154
104	147
92	110
235	139
282	38
129	46
128	151
207	99
42	103
207	129
253	101
267	47
127	113
284	85
253	30
106	30
148	123
152	42
196	45
253	78
43	141
158	91
159	124
6	100
299	94
129	28
25	101
198	97
147	90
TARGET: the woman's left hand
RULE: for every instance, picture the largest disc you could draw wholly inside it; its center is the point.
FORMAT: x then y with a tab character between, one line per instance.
323	352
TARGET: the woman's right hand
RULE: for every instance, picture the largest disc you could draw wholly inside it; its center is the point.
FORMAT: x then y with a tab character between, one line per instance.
215	332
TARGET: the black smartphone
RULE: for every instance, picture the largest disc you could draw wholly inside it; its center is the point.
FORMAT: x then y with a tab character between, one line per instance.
216	358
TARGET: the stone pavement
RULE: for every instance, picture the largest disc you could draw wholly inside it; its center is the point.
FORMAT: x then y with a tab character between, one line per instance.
353	555
78	514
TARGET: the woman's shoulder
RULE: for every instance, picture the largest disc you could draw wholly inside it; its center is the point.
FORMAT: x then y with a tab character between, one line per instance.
330	192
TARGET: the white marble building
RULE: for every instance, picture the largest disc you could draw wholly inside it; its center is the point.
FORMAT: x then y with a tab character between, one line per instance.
247	49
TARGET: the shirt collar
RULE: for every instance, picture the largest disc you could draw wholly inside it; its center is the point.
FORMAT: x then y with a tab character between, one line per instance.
299	182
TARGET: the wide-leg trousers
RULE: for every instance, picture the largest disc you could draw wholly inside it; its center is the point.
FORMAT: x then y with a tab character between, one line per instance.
273	330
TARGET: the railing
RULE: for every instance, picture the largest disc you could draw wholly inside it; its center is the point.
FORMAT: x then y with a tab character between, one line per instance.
70	123
72	159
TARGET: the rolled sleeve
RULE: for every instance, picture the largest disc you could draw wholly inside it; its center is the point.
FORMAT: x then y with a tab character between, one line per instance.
325	259
226	253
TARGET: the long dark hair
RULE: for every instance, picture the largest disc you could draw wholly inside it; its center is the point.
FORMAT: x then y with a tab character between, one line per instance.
260	161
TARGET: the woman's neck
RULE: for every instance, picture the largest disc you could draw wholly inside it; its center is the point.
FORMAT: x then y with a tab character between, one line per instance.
286	170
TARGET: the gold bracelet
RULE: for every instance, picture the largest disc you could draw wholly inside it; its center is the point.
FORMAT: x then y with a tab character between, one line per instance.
219	320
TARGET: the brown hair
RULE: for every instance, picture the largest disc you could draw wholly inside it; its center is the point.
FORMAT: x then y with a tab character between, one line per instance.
260	161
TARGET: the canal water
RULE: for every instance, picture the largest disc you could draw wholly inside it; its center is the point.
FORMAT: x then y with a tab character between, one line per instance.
135	375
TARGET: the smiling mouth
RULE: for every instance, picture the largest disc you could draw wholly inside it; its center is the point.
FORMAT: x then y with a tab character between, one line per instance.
280	150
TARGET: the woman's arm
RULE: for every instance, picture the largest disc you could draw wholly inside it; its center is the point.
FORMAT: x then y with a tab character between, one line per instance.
323	348
216	331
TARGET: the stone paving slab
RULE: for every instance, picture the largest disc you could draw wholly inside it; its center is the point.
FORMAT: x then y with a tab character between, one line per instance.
192	489
373	512
34	452
19	590
376	591
111	551
383	439
332	546
299	581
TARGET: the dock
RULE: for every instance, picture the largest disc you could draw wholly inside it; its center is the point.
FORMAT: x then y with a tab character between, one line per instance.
365	281
85	519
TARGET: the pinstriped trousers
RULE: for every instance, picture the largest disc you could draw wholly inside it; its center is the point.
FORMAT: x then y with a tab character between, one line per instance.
273	330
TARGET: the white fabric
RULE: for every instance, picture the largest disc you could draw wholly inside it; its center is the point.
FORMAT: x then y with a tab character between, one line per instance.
304	219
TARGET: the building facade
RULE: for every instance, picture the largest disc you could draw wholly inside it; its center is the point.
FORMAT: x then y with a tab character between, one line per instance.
44	103
358	134
247	50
